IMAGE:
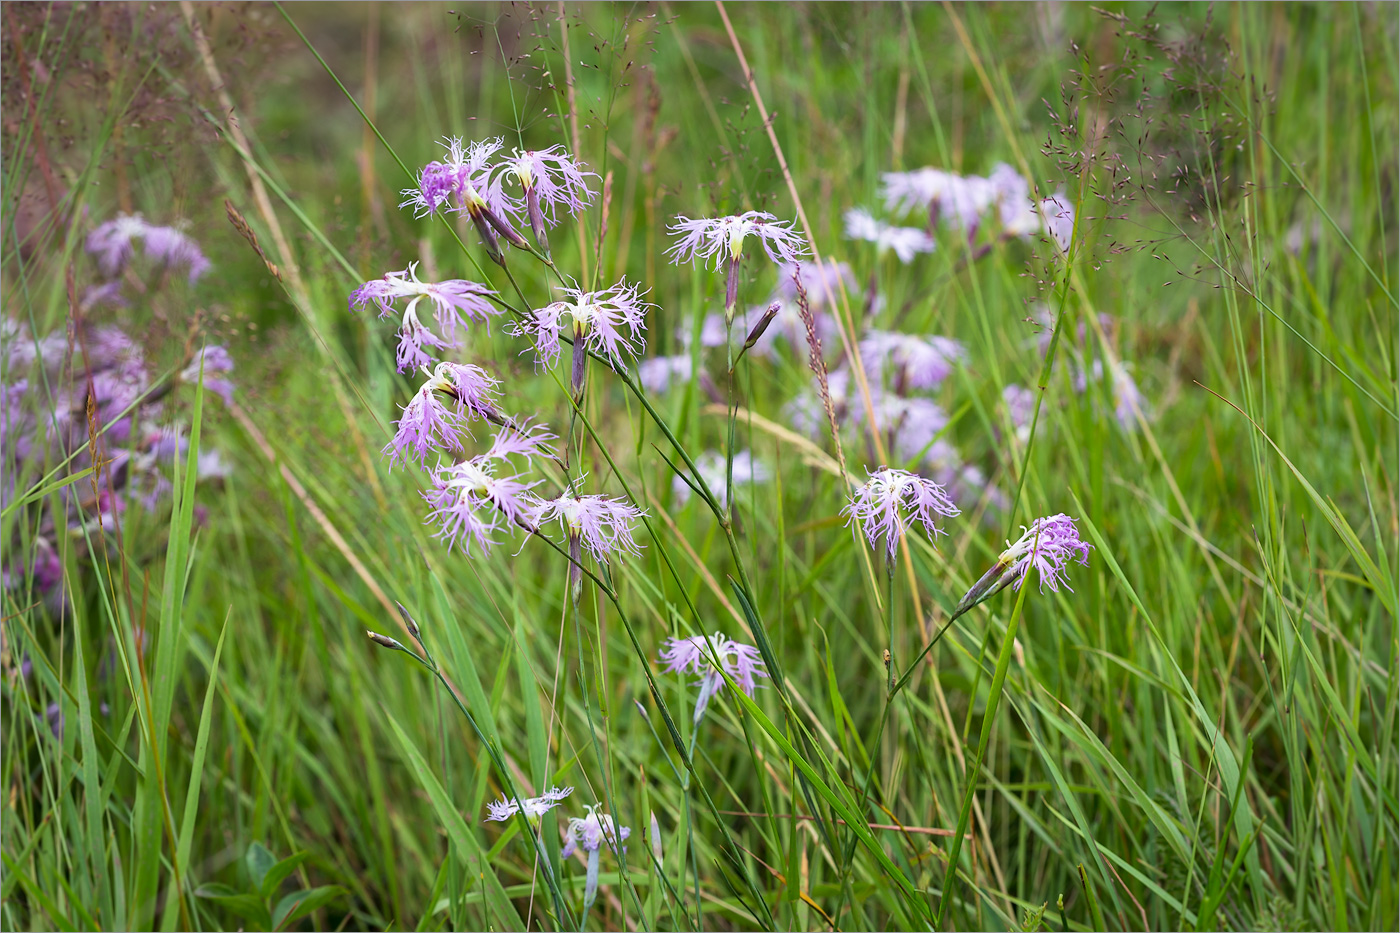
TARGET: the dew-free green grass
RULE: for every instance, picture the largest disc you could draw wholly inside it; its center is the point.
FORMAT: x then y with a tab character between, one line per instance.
1197	729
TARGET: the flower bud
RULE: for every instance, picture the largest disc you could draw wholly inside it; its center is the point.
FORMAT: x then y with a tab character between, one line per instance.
384	641
762	325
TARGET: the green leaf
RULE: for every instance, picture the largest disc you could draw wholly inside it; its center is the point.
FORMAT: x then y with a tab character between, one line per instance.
259	861
279	872
247	906
460	835
300	903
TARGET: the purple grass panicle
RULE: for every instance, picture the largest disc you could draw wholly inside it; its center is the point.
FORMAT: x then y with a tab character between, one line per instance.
892	500
698	655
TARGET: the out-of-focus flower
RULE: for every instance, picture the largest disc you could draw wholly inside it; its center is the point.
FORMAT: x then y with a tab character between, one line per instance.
1047	545
710	465
1057	213
958	199
454	301
1128	400
1020	407
656	850
656	373
170	246
533	807
212	360
108	293
588	834
722	238
211	465
907	242
917	361
112	244
699	655
469	500
891	500
910	425
610	322
603	526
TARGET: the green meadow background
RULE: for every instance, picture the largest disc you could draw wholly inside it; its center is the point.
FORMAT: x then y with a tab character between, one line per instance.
1202	734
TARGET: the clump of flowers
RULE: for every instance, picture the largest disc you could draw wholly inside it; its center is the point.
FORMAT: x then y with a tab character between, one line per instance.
914	361
705	656
892	500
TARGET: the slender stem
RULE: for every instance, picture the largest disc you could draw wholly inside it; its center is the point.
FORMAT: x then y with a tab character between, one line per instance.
729	420
889	618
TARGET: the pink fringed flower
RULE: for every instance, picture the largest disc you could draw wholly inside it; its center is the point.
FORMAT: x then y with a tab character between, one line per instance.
469	499
1048	545
428	423
533	807
891	500
600	525
699	654
609	322
550	178
454	302
113	244
723	238
914	361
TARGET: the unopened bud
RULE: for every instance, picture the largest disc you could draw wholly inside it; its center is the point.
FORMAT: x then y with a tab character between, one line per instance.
512	235
642	709
731	290
656	839
762	324
408	621
384	641
580	369
532	209
488	237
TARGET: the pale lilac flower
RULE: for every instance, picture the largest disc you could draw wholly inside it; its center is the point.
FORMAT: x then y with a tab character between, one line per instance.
1057	214
173	248
1128	399
917	361
609	322
711	467
699	654
588	834
910	426
603	526
722	238
907	242
111	244
454	301
427	423
1020	407
656	373
469	499
1047	545
214	359
1017	209
210	464
920	189
550	178
823	284
656	851
891	500
533	807
956	198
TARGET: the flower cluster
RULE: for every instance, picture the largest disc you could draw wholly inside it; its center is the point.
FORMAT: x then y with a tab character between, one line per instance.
533	808
91	397
705	656
113	244
962	201
1088	367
